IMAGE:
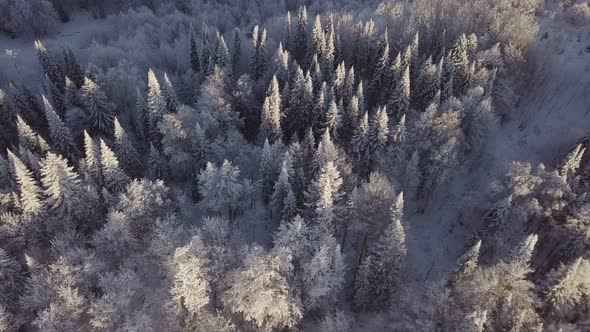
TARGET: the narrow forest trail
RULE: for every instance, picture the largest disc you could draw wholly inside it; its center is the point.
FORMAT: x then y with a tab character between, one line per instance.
552	115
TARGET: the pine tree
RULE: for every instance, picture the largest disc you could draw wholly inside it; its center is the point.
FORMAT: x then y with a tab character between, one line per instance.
62	185
258	57
50	67
322	196
99	111
300	40
466	264
221	56
379	78
156	108
270	123
360	145
169	96
194	53
92	165
29	139
381	272
157	165
317	42
61	138
399	102
73	69
30	194
126	152
141	115
236	51
115	180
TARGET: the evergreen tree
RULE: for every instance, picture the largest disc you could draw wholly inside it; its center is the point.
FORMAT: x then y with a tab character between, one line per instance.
99	111
169	96
157	165
300	42
381	272
28	139
360	145
462	72
221	57
115	180
61	138
141	115
329	50
466	264
72	95
270	123
317	42
378	134
300	105
73	69
236	51
379	78
156	108
447	77
126	152
258	57
399	102
62	186
206	55
30	194
279	201
322	196
92	165
268	170
194	53
50	67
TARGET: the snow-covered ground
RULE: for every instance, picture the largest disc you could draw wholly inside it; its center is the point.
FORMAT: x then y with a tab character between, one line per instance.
552	115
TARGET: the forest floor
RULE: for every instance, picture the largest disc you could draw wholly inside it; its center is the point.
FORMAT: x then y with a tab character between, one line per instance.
552	115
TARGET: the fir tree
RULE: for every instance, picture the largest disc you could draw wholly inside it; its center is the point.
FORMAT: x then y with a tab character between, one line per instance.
379	78
206	55
270	123
30	194
62	185
300	43
282	189
466	264
50	67
156	108
236	51
381	272
169	96
73	69
317	42
221	56
194	53
92	165
360	145
29	139
115	180
61	138
324	193
99	111
461	65
258	57
157	166
399	102
141	115
126	152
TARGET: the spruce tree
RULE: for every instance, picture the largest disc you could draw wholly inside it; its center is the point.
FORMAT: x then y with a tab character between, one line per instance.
29	139
99	111
206	55
50	67
30	194
378	134
92	165
73	69
317	42
169	96
156	108
62	185
126	152
61	138
221	57
329	51
258	57
270	122
322	196
360	145
141	115
461	65
379	78
194	53
115	179
300	43
279	200
399	102
466	264
236	51
157	166
382	271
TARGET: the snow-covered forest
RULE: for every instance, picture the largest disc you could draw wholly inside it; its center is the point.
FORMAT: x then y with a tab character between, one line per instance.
291	165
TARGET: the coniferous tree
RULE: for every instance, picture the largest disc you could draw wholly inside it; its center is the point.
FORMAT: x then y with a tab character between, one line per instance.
61	138
461	65
157	165
73	69
206	53
300	42
399	102
92	164
360	145
126	152
28	139
141	115
221	56
30	194
115	179
62	186
99	111
169	95
156	108
322	196
381	272
379	78
50	67
466	264
270	122
236	51
280	201
194	53
317	42
258	58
